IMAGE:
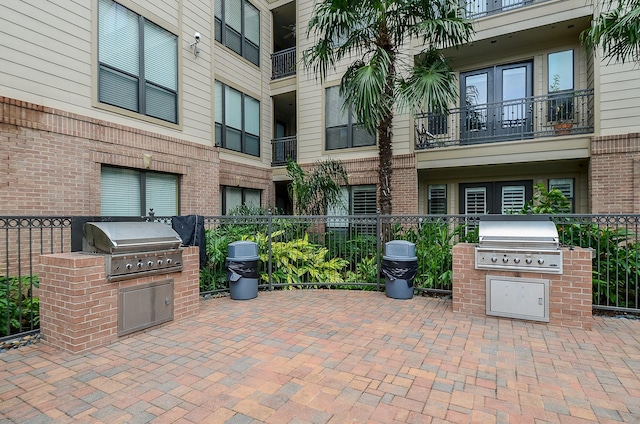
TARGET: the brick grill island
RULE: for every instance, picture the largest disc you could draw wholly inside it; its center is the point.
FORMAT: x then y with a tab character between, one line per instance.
79	306
570	293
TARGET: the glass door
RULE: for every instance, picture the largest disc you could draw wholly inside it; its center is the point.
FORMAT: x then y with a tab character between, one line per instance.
497	104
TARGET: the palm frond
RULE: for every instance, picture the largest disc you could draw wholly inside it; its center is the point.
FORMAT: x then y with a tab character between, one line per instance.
364	87
617	31
431	83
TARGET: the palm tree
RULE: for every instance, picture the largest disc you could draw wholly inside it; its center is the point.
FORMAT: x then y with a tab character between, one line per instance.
616	30
373	35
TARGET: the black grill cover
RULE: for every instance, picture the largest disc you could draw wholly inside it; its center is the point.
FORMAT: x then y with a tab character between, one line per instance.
190	228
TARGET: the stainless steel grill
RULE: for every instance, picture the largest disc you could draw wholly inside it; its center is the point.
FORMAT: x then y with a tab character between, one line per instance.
518	242
134	249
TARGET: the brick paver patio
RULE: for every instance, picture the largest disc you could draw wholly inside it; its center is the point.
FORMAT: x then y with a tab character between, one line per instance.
337	357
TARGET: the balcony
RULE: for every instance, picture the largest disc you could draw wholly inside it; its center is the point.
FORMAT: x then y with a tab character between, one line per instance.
479	8
283	63
551	115
282	149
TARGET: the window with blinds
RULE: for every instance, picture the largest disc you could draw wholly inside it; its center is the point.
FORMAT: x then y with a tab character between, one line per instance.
341	130
138	63
356	200
237	26
565	185
132	192
235	197
475	200
437	202
237	120
513	199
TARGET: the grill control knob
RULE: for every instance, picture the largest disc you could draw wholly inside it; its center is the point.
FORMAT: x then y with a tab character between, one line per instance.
129	266
150	264
140	265
528	261
540	261
494	259
516	260
505	259
169	261
160	262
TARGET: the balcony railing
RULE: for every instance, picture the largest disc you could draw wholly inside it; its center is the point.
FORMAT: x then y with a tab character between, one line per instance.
480	8
283	63
283	148
552	115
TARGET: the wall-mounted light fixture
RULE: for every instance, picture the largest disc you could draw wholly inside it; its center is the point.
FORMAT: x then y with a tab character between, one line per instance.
194	45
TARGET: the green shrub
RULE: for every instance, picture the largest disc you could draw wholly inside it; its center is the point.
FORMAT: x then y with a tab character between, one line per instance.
297	261
19	310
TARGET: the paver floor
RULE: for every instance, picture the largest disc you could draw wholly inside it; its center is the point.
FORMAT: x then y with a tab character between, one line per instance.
323	356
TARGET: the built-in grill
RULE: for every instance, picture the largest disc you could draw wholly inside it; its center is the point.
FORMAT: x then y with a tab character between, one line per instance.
518	243
134	249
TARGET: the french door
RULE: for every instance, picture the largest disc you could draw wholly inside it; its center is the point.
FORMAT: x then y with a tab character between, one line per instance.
497	103
494	197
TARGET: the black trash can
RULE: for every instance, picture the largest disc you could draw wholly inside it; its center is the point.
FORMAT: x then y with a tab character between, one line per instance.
242	269
399	267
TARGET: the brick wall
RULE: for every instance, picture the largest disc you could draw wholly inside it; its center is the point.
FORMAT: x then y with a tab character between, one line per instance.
615	174
404	180
79	308
50	161
240	175
570	294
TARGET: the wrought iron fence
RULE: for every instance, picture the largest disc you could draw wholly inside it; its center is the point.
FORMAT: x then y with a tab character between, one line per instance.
342	252
480	8
552	115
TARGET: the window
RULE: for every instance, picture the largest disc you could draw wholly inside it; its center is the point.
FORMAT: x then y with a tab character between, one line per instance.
234	197
560	77
131	192
565	185
497	103
237	26
138	63
341	129
356	200
237	120
437	199
501	197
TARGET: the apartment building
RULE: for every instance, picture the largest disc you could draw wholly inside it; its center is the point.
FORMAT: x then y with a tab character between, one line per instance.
116	107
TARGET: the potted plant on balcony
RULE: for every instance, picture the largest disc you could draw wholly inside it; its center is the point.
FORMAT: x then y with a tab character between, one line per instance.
560	107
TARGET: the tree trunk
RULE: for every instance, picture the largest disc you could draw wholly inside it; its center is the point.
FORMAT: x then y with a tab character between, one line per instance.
385	127
385	168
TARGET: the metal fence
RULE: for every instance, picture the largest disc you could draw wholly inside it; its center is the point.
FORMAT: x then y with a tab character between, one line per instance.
550	115
342	252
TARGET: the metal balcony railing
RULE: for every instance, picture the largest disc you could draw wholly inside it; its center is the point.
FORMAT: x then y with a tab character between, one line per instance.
551	115
480	8
283	148
283	63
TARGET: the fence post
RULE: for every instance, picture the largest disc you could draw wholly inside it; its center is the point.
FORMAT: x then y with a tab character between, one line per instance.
269	250
378	239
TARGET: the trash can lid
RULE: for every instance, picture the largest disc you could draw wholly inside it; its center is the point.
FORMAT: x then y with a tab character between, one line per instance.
400	258
400	249
243	258
242	249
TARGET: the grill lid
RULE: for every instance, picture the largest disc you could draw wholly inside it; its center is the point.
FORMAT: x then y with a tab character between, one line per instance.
530	232
128	237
